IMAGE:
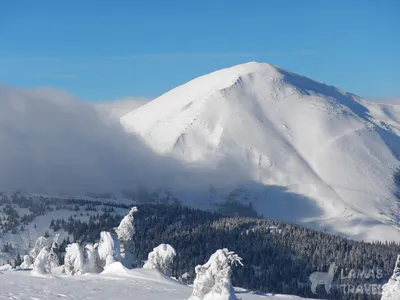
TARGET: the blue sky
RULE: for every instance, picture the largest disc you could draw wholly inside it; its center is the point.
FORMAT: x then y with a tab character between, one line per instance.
103	50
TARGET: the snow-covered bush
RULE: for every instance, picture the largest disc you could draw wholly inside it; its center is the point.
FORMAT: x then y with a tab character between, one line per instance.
42	263
109	248
40	243
161	258
27	263
73	261
6	267
213	279
92	263
391	290
125	232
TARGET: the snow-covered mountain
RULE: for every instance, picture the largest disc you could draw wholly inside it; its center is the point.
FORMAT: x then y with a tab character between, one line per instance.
312	153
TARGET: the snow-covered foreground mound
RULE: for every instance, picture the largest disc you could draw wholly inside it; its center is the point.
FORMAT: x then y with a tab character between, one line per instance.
115	282
321	156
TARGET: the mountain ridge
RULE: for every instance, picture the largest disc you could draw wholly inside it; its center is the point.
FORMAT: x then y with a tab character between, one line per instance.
283	129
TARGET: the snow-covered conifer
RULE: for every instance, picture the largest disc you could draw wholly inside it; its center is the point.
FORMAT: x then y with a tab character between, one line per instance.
42	263
109	248
396	270
40	243
54	252
27	263
213	279
92	263
391	290
203	282
184	278
222	289
125	232
161	258
73	261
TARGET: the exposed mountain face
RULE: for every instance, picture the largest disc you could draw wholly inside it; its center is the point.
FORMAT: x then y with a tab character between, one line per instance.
311	153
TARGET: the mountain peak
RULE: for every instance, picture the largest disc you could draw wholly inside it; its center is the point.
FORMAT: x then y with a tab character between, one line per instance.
204	86
282	129
265	80
249	67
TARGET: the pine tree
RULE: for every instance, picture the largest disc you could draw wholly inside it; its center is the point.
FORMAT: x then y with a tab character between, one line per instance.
92	263
125	232
18	260
27	263
40	243
396	271
213	279
42	263
161	258
73	261
109	248
54	259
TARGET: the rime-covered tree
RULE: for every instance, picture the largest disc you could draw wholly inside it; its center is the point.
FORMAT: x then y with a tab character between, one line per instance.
203	283
42	263
92	263
109	248
184	278
27	262
213	279
40	243
391	290
54	251
396	270
125	232
222	289
161	258
73	261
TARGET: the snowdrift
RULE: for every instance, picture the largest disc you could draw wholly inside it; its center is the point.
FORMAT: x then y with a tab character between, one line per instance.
136	284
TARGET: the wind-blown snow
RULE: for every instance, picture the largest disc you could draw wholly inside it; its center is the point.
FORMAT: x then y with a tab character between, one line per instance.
280	129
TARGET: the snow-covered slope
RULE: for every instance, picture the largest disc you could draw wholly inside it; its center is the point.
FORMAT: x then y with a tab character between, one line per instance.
325	157
138	284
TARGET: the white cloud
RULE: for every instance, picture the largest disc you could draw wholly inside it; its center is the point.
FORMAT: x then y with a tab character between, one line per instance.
120	107
393	100
51	142
388	100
